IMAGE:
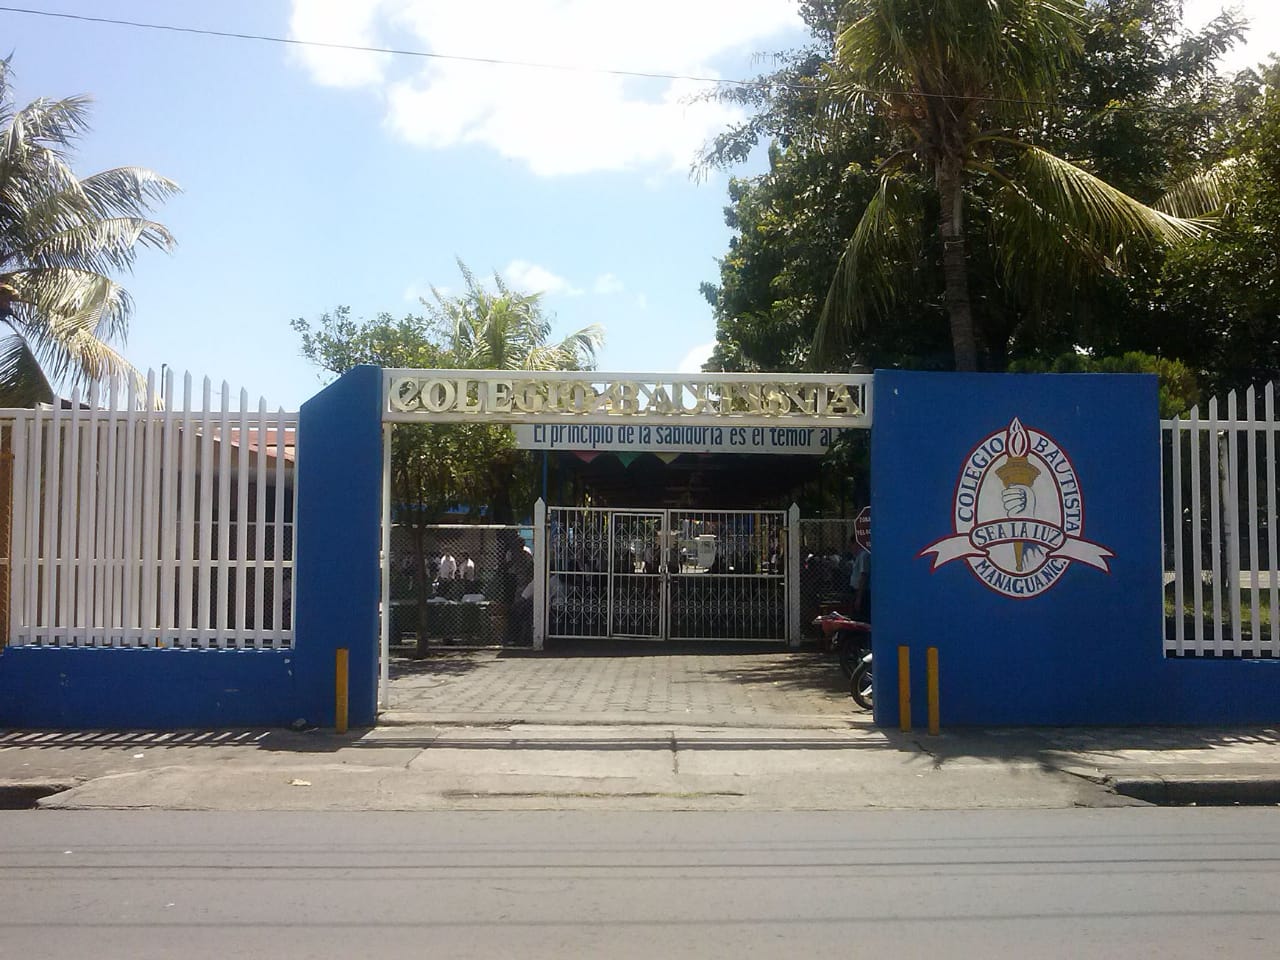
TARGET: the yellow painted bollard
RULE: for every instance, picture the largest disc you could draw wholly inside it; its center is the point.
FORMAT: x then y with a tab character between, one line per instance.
340	692
931	671
904	689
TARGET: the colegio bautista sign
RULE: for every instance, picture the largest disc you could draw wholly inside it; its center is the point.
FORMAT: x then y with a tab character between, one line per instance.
713	399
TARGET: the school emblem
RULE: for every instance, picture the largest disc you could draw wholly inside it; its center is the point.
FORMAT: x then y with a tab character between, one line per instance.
1018	515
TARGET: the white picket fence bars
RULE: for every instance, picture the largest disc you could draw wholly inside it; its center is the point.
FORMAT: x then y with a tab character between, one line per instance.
1222	569
138	523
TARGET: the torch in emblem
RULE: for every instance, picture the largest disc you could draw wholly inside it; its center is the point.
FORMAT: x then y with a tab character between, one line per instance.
1018	475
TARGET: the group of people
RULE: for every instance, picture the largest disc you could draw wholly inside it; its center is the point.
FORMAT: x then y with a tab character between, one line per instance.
846	575
445	568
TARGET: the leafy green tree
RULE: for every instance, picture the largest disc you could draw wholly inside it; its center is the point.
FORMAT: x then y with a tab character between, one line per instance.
1178	389
1219	298
62	237
792	223
501	329
965	86
1141	105
437	467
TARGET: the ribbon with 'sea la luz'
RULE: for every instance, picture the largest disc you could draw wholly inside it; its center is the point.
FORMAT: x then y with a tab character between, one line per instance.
979	541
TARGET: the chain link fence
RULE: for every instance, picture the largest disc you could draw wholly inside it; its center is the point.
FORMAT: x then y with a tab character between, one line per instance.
825	560
460	585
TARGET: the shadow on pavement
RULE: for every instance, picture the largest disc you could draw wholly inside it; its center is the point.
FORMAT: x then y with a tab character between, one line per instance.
800	671
129	739
443	663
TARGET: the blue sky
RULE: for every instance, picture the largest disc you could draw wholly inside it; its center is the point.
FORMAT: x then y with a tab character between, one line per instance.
314	178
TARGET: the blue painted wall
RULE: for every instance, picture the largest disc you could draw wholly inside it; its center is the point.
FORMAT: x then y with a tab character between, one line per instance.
339	515
117	688
1087	649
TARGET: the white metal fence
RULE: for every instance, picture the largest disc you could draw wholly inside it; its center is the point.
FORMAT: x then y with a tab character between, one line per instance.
1222	569
137	524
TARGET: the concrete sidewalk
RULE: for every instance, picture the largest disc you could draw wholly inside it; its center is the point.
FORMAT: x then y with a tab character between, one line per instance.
810	764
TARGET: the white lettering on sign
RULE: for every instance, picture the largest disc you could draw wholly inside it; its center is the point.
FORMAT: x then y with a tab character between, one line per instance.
534	396
664	438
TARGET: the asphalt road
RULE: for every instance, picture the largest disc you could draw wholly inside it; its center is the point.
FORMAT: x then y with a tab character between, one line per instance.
1134	882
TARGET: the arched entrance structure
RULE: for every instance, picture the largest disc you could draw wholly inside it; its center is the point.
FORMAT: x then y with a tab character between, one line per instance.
639	568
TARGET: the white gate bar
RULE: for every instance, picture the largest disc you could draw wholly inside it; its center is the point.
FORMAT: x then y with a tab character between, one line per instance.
244	475
1215	524
187	520
149	525
260	528
206	519
19	549
132	517
35	486
70	508
277	534
86	555
1231	492
1179	536
1249	536
31	499
1197	531
115	519
1273	557
222	565
109	510
168	518
53	496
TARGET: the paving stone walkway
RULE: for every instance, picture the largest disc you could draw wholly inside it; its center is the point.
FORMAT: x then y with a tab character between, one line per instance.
616	678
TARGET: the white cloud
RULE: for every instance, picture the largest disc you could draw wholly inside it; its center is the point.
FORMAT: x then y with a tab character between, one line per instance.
338	21
695	358
531	278
554	121
607	284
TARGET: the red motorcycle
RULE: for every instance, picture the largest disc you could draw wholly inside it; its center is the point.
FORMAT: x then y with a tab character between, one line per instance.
850	641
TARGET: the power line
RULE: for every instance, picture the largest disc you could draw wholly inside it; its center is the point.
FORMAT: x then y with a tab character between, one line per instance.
538	65
358	48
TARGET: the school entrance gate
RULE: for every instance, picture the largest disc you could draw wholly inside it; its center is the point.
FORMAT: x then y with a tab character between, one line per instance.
667	574
636	569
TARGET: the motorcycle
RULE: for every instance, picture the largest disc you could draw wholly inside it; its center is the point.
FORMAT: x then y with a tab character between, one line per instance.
850	640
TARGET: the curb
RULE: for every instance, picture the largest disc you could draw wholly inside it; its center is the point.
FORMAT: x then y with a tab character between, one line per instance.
391	719
1199	791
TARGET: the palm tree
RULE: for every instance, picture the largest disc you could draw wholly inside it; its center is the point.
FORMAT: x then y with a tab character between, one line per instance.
61	238
504	330
955	81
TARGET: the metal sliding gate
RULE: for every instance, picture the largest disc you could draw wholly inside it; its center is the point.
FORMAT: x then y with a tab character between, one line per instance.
667	574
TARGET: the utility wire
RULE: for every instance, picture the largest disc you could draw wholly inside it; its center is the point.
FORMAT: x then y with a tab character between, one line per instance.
394	51
535	65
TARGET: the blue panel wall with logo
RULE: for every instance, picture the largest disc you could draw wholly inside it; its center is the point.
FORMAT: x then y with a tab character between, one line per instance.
1017	529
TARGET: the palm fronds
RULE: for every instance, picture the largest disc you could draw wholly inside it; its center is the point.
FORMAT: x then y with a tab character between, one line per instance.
1202	194
883	249
61	239
1106	217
